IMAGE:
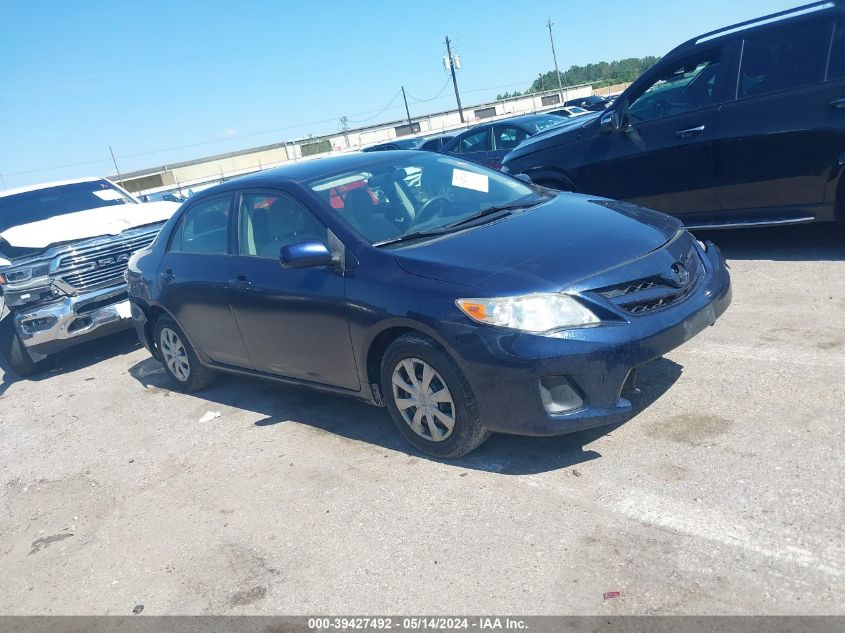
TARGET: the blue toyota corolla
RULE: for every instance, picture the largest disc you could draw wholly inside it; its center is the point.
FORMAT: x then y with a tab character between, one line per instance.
464	300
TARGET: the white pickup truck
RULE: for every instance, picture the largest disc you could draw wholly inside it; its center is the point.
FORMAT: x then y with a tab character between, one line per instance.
64	247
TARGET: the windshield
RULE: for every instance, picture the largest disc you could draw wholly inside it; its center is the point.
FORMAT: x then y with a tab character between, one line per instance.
419	194
541	123
42	204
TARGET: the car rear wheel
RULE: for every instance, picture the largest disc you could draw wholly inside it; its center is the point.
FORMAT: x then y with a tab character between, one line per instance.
180	359
429	399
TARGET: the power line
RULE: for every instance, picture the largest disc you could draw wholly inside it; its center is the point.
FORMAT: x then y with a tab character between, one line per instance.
521	83
439	92
389	103
43	169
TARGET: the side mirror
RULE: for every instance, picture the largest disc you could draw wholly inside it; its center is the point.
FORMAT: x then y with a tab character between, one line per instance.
611	121
524	178
309	254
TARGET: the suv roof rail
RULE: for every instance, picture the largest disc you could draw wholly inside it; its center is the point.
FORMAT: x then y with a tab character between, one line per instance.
821	5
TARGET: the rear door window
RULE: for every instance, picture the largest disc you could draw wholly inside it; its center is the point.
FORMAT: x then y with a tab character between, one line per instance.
269	221
508	137
475	142
785	59
204	228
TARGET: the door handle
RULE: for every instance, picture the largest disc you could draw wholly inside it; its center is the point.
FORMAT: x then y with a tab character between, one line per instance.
167	276
240	282
692	131
839	104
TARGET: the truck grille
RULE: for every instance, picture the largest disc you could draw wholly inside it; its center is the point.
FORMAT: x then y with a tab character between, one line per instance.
653	293
101	265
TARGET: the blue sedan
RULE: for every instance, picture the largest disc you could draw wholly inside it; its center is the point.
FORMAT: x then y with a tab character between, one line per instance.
464	300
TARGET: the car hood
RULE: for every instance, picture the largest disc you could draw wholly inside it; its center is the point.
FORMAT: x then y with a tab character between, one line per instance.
71	227
567	132
546	248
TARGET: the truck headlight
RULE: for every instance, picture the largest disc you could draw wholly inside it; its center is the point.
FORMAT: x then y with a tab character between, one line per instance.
24	275
540	313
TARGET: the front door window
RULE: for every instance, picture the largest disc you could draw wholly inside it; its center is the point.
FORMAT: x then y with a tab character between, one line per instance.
684	87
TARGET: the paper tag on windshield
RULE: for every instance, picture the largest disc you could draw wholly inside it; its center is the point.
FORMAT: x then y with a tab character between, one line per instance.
108	194
470	180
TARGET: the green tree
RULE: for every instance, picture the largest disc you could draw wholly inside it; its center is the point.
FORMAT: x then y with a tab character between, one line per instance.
599	74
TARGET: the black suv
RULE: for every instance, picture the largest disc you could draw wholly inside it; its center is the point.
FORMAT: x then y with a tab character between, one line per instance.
741	126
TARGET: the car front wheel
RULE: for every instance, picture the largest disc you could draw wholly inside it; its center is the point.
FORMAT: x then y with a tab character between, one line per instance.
429	399
15	352
180	359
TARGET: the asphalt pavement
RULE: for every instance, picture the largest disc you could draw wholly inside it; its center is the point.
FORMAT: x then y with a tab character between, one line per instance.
723	495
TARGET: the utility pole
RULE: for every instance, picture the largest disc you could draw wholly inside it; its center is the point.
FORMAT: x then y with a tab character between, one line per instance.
550	24
344	126
451	62
117	171
407	112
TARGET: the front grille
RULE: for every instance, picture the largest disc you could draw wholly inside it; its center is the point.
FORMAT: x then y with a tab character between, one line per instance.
101	265
629	288
653	293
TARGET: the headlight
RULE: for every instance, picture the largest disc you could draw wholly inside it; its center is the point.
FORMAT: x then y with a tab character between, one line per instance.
18	276
537	313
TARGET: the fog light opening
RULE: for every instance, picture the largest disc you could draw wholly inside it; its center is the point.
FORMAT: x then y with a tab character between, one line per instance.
36	325
80	323
558	395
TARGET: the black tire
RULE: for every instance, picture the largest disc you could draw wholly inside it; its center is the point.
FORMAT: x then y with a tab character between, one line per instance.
15	352
198	375
467	432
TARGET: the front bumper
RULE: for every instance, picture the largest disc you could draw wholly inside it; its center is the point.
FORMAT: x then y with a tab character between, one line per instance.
504	368
48	328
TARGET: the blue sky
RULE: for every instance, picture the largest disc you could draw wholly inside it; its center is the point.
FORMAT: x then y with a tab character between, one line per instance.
168	81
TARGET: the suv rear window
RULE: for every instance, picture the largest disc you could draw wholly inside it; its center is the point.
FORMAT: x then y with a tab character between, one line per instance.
785	59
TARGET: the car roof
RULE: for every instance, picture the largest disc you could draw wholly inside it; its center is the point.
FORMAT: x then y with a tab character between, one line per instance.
522	118
755	24
305	171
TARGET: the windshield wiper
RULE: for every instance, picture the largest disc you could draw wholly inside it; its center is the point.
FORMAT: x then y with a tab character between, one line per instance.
490	211
411	236
450	227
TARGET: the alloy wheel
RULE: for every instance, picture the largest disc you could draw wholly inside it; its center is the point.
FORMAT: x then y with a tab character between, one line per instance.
423	399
